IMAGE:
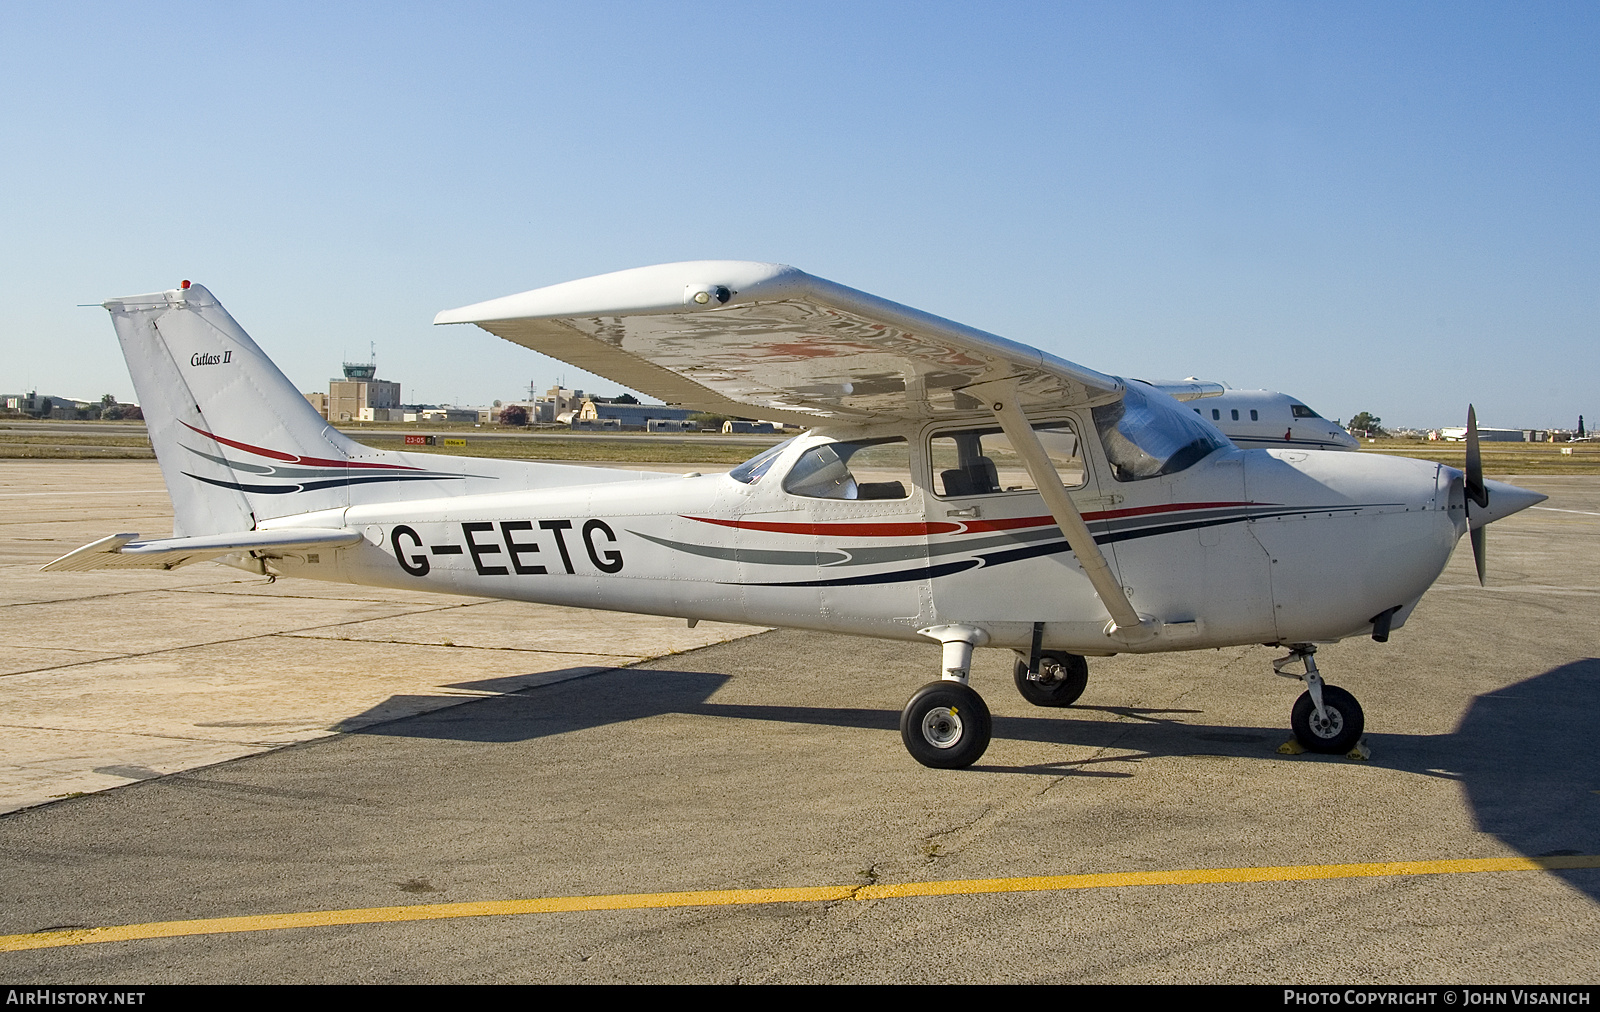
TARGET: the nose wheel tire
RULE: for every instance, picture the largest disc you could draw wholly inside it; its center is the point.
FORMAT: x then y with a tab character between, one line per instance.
1335	735
945	726
1062	679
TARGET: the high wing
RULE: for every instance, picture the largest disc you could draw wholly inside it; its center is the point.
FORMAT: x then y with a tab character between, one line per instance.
772	342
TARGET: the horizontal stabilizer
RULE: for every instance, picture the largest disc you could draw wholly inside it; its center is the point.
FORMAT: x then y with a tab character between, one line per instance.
126	551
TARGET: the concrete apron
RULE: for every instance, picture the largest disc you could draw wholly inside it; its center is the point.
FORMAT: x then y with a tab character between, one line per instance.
108	678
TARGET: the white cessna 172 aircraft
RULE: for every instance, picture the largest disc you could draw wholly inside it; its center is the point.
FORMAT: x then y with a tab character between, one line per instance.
954	485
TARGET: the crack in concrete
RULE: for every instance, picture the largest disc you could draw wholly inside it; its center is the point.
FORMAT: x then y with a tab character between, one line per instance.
291	633
632	658
115	593
144	734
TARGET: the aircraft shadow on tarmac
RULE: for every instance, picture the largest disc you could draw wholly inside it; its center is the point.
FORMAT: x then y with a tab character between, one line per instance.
1524	755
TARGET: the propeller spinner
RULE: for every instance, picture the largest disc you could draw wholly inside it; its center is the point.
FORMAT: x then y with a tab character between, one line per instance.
1507	498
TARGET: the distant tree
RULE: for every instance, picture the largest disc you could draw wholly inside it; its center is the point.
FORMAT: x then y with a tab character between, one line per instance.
1366	421
514	414
108	400
625	399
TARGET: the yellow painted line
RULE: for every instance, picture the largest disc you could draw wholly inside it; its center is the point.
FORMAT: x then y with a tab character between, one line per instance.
757	897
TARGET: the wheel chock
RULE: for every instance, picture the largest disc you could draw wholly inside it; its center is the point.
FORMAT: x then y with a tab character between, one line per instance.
1291	747
1361	753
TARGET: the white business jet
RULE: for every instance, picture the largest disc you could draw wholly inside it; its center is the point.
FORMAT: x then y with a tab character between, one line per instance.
954	485
1260	419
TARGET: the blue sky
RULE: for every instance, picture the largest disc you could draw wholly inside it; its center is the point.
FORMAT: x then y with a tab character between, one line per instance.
1373	206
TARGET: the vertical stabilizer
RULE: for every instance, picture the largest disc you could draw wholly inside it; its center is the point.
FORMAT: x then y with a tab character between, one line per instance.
239	445
230	431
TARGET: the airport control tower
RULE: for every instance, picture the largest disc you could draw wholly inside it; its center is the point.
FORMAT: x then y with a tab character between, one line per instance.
361	396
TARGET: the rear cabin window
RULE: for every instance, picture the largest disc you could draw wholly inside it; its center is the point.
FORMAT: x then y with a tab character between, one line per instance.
982	461
861	469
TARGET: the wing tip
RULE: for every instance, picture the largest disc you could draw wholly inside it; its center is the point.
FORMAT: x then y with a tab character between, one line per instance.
88	556
658	289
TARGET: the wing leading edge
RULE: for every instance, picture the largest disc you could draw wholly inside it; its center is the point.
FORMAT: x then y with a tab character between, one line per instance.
769	341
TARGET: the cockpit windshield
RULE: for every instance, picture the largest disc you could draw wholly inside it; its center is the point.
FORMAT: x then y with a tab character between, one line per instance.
751	470
1148	436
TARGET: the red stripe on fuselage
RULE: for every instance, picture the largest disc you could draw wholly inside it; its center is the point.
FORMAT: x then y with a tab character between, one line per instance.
906	530
1139	511
913	529
290	458
975	526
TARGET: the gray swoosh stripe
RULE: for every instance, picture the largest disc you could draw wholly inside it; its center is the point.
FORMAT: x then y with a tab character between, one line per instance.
250	468
903	553
759	556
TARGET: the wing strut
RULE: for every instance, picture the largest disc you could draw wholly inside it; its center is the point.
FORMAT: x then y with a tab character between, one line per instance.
1126	624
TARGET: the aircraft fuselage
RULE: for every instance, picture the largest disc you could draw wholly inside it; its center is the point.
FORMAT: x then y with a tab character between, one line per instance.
1246	546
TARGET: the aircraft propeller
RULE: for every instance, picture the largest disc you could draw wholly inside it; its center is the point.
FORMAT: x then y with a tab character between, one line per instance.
1476	492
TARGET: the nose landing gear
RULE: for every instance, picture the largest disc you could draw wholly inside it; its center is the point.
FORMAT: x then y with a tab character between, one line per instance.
946	725
1325	718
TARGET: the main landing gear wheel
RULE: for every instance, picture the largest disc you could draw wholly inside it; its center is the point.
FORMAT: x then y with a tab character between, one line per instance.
1337	734
1062	679
945	725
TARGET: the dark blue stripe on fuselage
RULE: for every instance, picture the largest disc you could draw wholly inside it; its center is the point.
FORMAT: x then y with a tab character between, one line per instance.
1025	552
317	486
898	576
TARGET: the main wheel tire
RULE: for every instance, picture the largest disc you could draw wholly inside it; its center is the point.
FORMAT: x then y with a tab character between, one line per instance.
1339	733
945	725
1062	679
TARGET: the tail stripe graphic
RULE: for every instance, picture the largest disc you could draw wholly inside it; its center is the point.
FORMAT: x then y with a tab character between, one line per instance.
301	479
314	486
294	458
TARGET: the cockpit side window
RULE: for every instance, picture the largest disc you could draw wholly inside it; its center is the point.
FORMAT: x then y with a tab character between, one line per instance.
1301	411
1146	436
752	470
859	469
982	461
